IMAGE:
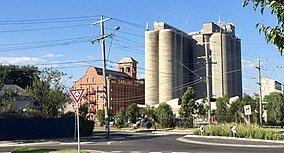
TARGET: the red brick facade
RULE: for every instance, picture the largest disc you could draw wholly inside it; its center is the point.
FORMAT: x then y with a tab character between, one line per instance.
123	90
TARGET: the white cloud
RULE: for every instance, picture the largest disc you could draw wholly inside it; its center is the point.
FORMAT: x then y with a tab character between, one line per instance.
249	64
51	55
20	60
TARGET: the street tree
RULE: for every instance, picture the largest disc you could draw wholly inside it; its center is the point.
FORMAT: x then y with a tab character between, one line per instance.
48	91
101	117
6	101
165	115
21	76
222	108
132	112
188	107
275	108
149	116
120	118
273	34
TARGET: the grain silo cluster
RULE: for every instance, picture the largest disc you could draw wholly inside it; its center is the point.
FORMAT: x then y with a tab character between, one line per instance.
172	62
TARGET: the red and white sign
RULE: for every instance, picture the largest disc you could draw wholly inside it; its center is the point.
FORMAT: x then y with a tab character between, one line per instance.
247	110
77	94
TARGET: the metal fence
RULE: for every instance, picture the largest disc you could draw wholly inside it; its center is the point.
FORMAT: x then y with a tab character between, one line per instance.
36	128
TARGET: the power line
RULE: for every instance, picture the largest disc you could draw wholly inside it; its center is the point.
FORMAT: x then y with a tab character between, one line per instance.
48	20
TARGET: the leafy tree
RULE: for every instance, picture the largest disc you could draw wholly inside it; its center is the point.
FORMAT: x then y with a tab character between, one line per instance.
101	117
237	109
149	116
6	101
275	35
48	91
21	76
165	115
121	118
275	108
188	107
222	108
132	112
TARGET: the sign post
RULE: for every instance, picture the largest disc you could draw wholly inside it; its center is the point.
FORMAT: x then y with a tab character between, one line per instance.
247	110
77	95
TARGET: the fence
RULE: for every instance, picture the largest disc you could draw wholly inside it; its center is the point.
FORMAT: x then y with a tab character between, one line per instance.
36	128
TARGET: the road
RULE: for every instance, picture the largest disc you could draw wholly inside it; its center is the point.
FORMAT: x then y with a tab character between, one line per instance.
147	142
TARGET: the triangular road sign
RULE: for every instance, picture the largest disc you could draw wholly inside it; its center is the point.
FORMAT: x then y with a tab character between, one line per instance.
77	94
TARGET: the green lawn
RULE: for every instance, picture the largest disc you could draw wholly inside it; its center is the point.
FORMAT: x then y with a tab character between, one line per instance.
38	150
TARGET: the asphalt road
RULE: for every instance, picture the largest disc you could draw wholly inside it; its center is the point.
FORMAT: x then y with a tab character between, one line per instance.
147	142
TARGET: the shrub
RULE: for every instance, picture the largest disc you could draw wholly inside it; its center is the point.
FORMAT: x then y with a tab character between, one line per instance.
243	131
148	125
86	127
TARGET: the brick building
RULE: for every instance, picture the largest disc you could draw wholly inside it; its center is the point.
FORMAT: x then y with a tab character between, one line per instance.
122	86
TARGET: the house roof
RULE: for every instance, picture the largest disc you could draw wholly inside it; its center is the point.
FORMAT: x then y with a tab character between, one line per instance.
127	60
20	91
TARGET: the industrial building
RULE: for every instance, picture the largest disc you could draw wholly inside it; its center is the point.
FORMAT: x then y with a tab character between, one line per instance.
269	85
175	60
123	87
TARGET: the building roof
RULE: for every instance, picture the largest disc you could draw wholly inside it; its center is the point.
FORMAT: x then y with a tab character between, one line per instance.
20	91
127	60
111	73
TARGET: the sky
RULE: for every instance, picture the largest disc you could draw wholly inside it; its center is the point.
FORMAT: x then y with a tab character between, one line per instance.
58	33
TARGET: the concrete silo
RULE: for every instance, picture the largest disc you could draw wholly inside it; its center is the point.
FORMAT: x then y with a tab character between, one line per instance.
179	65
151	68
167	65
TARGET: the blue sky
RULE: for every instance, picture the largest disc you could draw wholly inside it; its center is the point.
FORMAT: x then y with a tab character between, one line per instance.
57	33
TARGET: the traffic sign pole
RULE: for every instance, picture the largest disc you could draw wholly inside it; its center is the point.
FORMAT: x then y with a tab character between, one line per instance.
77	95
78	129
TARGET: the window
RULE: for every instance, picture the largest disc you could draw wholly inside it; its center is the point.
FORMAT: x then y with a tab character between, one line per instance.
94	80
127	69
99	88
88	80
122	69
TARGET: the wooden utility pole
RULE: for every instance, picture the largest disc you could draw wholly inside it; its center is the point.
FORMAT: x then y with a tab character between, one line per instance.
260	92
102	40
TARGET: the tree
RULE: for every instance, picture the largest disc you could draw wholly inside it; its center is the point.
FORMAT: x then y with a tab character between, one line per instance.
48	91
21	76
275	35
132	112
222	108
188	107
121	118
237	109
165	115
275	108
149	116
6	101
101	117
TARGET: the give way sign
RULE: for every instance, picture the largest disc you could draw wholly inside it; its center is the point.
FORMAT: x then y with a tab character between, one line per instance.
247	110
77	94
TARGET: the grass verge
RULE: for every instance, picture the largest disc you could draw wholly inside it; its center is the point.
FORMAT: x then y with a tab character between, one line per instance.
39	150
